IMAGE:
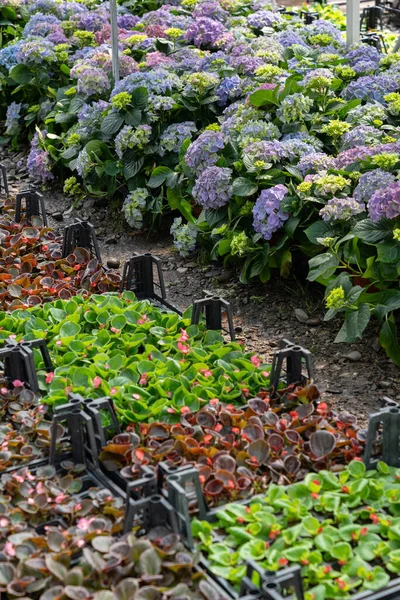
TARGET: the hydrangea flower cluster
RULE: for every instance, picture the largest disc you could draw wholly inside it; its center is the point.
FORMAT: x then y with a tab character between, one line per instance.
268	216
134	206
38	162
130	138
174	136
213	187
12	119
370	88
295	108
341	209
185	236
202	153
204	32
370	182
385	203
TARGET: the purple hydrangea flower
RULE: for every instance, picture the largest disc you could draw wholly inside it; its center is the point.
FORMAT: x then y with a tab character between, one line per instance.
341	209
266	151
92	82
348	157
288	38
204	32
174	136
263	18
385	203
268	216
12	119
36	52
158	81
213	187
38	162
370	182
40	25
90	117
212	10
229	88
127	21
363	135
318	161
370	87
363	53
93	20
202	153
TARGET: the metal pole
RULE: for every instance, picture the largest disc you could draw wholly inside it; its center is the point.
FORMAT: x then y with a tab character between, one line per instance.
114	40
352	22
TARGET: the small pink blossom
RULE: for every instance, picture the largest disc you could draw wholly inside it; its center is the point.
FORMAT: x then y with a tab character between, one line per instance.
265	374
114	329
143	319
113	391
10	549
96	381
171	410
144	379
83	524
206	372
3	522
136	396
60	498
80	543
3	390
18	383
49	377
256	361
12	336
184	336
183	348
59	343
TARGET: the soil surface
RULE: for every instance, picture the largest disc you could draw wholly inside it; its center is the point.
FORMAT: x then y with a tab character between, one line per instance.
354	377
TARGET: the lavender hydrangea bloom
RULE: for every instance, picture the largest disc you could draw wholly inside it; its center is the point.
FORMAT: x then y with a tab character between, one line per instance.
12	119
365	67
127	21
38	162
92	82
45	6
288	38
159	81
40	25
229	88
318	161
263	18
36	52
202	153
212	10
385	203
363	135
174	136
348	157
254	131
90	117
213	187
93	20
268	216
83	165
371	87
371	182
204	32
297	148
363	53
341	209
264	151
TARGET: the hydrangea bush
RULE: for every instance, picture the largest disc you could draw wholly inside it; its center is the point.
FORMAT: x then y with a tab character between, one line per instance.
260	132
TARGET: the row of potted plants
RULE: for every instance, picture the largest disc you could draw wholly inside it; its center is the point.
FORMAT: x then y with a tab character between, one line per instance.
268	136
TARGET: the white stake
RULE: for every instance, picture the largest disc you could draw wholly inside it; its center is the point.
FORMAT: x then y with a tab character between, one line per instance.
352	22
114	40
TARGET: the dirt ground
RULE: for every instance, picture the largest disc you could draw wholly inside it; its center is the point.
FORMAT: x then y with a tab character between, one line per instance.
355	377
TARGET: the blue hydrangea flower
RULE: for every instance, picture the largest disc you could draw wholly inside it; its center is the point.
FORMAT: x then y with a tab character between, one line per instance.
370	182
202	153
228	89
174	136
213	187
263	18
185	236
363	135
268	216
318	161
12	118
204	32
370	87
38	162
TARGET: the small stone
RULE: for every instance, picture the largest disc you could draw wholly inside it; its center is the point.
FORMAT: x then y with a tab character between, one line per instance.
354	356
301	315
113	263
225	276
111	240
384	385
314	322
181	269
58	216
334	390
191	265
238	329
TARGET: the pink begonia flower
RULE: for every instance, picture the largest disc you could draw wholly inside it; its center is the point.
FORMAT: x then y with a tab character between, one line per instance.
184	337
96	381
183	348
256	361
18	383
49	377
113	391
